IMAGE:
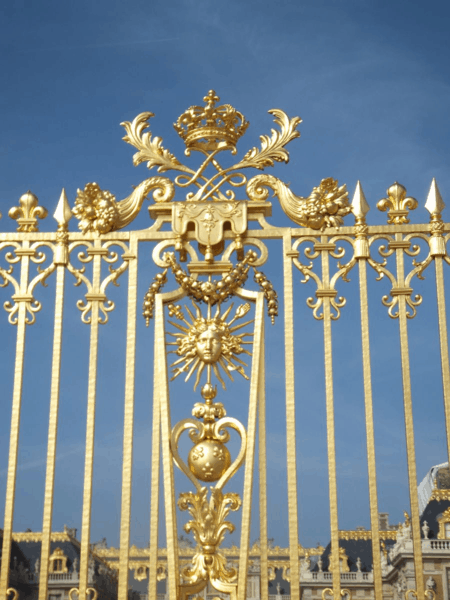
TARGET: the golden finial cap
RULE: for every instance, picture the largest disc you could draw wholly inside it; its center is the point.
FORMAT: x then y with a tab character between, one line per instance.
360	207
211	127
63	212
434	204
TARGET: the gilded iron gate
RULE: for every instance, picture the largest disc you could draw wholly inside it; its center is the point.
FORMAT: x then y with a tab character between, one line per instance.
214	250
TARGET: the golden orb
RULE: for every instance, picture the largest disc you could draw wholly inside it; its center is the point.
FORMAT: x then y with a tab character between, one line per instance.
208	460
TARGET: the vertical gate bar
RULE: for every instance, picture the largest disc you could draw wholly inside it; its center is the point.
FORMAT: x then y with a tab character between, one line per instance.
331	442
169	485
250	454
264	579
443	340
15	424
90	430
154	492
52	433
370	436
409	424
128	424
291	449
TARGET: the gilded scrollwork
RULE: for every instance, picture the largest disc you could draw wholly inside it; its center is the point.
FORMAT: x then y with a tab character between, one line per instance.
209	459
11	258
24	292
209	526
91	594
211	129
429	594
400	286
325	285
261	250
112	257
96	289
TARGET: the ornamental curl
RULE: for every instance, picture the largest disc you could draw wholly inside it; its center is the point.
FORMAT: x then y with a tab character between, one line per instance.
98	210
209	526
324	207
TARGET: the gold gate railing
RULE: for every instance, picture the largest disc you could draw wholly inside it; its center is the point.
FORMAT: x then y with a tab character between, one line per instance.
205	248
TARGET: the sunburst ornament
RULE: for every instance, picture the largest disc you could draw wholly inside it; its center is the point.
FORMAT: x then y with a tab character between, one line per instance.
209	343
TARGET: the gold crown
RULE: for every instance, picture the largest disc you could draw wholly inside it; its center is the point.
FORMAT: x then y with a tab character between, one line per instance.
208	127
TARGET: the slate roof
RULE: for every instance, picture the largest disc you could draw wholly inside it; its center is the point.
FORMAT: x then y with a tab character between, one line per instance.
16	551
354	549
32	551
17	558
432	511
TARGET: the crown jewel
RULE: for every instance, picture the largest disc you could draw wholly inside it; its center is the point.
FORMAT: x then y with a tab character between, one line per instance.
209	127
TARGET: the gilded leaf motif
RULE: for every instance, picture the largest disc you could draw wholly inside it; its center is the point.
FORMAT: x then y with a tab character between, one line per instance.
273	148
150	150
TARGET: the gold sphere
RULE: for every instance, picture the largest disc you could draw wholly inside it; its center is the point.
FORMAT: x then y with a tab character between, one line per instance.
208	460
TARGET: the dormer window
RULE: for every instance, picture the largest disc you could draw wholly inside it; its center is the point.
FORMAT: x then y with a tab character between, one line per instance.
58	562
444	525
343	561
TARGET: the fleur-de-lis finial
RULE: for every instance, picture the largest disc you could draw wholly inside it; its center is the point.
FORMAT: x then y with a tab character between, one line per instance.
211	98
28	212
397	204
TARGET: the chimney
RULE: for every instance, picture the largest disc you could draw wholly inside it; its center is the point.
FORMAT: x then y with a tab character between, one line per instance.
383	521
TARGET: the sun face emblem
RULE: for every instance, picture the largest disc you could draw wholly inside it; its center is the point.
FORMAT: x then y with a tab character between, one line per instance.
209	342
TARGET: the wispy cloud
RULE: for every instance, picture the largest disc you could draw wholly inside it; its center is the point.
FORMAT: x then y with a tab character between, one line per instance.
107	446
41	462
101	45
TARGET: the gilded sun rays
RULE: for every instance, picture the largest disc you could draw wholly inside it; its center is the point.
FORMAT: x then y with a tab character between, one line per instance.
209	343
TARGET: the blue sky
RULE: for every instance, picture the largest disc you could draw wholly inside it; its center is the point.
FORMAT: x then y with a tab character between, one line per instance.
371	83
